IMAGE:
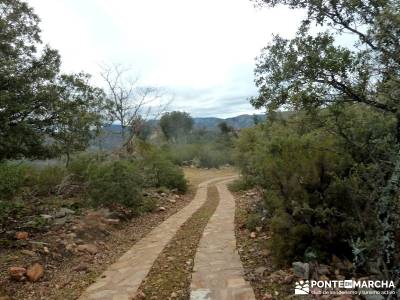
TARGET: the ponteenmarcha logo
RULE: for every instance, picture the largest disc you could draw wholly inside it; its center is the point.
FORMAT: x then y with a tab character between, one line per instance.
302	287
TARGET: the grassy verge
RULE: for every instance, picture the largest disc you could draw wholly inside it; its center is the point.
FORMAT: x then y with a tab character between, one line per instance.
170	275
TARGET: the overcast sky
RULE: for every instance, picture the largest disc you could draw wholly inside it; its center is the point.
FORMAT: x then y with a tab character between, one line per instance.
202	51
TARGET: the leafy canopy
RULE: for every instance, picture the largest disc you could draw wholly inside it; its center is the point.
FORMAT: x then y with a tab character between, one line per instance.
34	104
176	124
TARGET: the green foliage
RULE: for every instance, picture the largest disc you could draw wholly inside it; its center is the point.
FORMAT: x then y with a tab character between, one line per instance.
320	190
12	179
204	155
36	100
148	205
240	185
253	221
159	170
80	165
45	180
25	77
313	71
115	182
176	125
211	157
41	181
78	114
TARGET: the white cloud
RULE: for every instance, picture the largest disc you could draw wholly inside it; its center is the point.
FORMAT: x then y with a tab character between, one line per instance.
184	45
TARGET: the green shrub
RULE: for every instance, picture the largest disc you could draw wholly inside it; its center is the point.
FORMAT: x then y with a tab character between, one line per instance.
253	221
80	164
320	189
12	178
204	155
115	182
211	158
159	170
47	179
148	205
240	185
183	153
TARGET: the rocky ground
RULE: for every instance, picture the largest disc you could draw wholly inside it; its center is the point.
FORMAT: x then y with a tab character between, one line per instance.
268	282
62	258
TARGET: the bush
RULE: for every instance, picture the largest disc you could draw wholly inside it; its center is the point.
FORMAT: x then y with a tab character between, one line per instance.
204	155
212	158
47	179
80	164
158	169
184	153
320	189
240	185
253	221
115	182
148	205
165	173
12	178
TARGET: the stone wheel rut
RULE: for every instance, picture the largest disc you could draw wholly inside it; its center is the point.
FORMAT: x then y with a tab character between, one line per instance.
218	271
122	279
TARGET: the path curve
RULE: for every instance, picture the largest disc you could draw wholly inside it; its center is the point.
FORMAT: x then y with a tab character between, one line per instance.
218	271
122	279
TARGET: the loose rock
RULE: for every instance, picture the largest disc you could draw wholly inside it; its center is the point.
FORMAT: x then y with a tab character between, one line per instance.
21	235
111	221
288	278
81	267
63	211
323	270
17	273
35	272
28	252
301	270
267	296
89	248
260	271
46	217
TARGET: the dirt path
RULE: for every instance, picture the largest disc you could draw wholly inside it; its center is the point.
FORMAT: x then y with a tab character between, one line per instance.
218	272
122	279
